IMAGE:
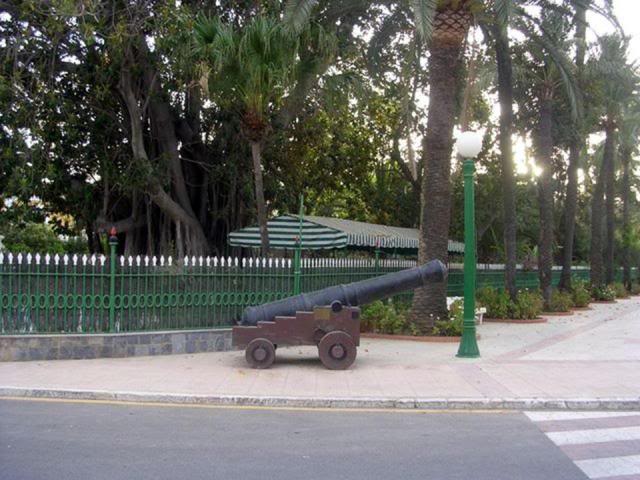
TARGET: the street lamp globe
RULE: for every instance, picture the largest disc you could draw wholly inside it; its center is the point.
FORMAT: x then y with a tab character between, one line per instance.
469	144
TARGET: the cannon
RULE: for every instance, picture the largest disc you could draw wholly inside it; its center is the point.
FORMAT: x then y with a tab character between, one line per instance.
328	318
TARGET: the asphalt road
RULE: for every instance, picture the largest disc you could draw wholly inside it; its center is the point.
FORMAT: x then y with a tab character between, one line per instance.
60	440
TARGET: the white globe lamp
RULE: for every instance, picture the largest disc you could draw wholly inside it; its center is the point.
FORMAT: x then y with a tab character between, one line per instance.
469	144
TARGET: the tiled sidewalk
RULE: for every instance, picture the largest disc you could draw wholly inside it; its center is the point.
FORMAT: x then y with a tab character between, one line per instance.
590	355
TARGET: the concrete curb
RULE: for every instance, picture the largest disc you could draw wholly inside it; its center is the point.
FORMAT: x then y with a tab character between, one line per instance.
461	403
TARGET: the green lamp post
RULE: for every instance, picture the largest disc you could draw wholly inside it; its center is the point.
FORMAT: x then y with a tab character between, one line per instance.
468	146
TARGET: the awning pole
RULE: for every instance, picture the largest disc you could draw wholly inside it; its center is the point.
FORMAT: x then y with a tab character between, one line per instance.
297	259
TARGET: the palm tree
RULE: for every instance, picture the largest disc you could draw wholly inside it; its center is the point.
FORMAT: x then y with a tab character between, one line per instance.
451	23
575	149
505	14
628	147
252	68
617	80
546	74
498	30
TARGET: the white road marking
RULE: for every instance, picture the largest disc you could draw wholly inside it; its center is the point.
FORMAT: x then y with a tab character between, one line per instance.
610	467
574	437
546	416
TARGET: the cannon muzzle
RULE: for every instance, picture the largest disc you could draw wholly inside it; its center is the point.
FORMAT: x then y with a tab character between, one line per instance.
352	294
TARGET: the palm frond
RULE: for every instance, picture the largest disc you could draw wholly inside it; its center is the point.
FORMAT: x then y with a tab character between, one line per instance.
424	12
560	61
297	14
503	11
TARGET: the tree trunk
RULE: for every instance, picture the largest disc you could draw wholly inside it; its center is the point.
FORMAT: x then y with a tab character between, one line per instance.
570	210
626	224
545	198
430	302
256	154
157	194
595	255
505	96
610	193
571	200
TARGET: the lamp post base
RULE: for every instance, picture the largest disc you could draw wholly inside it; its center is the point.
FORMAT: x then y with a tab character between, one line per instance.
468	343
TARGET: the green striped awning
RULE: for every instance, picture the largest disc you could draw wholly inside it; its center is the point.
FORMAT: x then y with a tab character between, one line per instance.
328	232
284	232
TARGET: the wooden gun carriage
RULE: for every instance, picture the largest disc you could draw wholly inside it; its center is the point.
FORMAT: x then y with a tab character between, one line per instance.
328	318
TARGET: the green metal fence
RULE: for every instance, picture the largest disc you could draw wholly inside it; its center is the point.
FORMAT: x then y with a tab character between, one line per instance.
87	294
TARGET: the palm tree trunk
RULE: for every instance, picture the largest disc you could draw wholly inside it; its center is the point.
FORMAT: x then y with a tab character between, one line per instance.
570	210
256	154
545	202
626	225
430	302
571	200
609	172
505	97
595	255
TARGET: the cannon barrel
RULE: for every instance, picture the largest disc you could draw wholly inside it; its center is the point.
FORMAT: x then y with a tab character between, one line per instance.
352	294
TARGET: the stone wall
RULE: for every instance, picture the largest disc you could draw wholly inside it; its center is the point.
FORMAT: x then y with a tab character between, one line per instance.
113	345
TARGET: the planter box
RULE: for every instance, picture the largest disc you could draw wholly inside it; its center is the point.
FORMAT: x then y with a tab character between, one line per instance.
112	345
515	320
413	338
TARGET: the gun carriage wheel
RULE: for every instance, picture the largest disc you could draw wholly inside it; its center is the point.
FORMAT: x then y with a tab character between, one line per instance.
260	353
337	350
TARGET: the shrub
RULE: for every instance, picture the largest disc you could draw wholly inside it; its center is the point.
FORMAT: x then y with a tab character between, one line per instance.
619	289
528	305
380	317
370	314
448	328
560	301
34	238
452	327
580	293
456	310
635	289
76	245
497	302
392	323
603	293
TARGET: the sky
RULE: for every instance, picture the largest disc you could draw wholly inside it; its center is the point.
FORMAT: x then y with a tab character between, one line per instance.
628	14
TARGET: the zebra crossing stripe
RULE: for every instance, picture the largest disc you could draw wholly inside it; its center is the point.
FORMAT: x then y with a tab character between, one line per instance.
575	437
610	467
604	445
548	416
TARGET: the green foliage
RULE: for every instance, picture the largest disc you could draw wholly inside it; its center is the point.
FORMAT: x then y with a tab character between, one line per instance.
560	301
448	328
619	289
452	327
603	293
635	288
528	305
497	302
34	238
76	245
580	293
382	317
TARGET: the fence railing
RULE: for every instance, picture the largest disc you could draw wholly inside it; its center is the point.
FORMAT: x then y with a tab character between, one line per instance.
87	294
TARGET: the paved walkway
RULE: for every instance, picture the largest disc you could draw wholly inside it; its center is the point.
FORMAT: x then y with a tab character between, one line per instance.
592	356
